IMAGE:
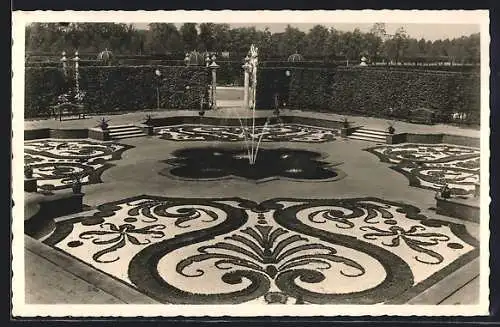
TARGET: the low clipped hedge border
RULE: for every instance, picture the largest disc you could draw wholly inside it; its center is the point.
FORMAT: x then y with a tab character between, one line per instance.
368	91
118	88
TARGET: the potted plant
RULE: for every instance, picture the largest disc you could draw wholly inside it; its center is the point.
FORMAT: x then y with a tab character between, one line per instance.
77	185
28	171
103	123
147	120
391	128
445	192
345	123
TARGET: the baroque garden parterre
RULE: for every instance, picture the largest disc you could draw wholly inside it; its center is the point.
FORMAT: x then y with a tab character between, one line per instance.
244	200
322	250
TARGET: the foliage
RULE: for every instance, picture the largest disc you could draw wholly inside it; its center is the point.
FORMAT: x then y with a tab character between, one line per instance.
163	37
276	82
370	91
116	88
230	73
134	87
189	36
43	86
71	96
317	43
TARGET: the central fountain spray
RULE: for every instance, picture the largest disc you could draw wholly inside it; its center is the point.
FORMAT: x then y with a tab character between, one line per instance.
252	140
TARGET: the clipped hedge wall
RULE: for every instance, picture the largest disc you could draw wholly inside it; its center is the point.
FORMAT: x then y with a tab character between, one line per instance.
370	91
271	81
117	88
42	87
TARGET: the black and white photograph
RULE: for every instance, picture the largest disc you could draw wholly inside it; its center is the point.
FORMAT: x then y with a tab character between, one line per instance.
250	163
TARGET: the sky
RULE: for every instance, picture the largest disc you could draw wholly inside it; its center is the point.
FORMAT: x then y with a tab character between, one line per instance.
427	31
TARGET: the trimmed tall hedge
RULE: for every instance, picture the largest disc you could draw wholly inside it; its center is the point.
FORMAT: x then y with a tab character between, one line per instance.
42	87
118	88
369	91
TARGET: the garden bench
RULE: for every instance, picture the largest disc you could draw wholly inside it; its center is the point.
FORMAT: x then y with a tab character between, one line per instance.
68	109
423	116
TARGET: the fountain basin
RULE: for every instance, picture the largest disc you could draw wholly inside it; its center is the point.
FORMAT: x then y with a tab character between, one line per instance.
212	163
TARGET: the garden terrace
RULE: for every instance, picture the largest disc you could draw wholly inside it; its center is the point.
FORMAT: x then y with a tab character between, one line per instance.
312	199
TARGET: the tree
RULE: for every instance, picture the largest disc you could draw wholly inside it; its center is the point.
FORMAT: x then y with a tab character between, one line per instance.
207	37
164	38
472	48
241	39
332	48
222	37
189	36
396	46
264	43
378	30
316	42
351	45
372	46
292	41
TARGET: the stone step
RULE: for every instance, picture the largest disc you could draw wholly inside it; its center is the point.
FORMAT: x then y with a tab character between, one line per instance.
119	137
121	131
372	131
369	135
364	138
125	131
122	128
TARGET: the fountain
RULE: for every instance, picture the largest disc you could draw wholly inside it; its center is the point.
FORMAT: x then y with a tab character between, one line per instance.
252	139
246	126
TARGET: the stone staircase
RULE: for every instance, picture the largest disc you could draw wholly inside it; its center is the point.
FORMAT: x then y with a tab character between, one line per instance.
367	134
118	132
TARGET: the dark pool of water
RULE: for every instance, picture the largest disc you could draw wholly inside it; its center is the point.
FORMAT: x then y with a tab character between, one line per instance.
213	162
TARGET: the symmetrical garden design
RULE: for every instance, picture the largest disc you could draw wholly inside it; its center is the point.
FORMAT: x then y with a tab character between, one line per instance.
431	166
293	251
212	163
270	133
56	163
